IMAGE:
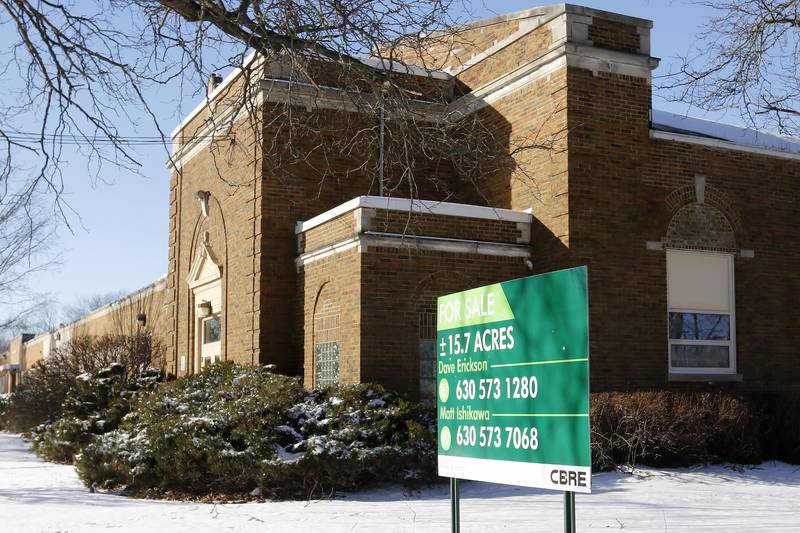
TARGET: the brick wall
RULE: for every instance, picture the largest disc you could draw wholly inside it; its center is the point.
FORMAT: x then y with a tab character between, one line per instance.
334	279
609	129
614	35
528	47
453	49
624	190
432	225
230	170
759	195
386	292
399	288
331	232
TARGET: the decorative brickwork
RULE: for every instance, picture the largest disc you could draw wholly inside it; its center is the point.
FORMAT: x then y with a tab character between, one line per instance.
700	227
713	197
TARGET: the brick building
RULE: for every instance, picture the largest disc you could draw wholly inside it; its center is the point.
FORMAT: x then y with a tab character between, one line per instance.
686	226
139	311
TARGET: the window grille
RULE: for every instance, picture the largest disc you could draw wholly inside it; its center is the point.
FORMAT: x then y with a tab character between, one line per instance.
326	364
427	356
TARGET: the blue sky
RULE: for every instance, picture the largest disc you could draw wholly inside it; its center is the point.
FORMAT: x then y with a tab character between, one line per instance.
121	241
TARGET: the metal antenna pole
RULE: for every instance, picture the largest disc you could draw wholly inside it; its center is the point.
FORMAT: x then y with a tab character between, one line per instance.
569	512
380	142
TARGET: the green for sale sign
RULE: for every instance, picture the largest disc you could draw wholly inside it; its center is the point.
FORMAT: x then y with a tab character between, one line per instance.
513	382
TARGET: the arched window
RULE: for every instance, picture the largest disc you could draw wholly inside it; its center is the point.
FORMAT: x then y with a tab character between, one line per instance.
326	339
700	292
427	352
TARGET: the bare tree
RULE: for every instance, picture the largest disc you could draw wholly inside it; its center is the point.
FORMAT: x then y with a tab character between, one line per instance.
86	304
746	60
78	67
25	235
82	65
372	58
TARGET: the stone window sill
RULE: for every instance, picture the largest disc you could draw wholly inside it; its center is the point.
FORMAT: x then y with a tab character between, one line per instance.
705	378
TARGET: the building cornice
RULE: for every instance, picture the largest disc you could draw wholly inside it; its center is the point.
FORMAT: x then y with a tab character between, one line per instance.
414	242
721	144
415	206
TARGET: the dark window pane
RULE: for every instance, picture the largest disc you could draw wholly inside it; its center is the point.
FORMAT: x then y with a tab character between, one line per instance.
695	356
699	327
427	369
211	330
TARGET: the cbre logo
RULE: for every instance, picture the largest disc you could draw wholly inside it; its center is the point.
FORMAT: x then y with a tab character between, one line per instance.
570	478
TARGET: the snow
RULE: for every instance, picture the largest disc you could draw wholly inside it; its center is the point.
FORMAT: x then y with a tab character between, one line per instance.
726	132
36	496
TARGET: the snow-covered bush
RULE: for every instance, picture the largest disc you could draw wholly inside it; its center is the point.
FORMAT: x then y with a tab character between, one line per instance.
95	404
5	402
237	430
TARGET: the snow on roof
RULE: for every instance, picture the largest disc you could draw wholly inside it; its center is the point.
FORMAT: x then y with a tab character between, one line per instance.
740	135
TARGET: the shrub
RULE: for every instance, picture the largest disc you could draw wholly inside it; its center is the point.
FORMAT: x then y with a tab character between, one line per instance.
5	402
39	398
95	404
234	430
667	429
780	426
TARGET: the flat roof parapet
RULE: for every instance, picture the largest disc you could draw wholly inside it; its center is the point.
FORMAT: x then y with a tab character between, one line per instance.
416	206
368	223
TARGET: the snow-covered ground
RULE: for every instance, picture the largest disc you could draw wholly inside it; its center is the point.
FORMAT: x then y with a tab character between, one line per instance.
38	496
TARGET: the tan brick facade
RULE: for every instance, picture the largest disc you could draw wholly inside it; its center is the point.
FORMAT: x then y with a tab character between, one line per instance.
141	311
351	298
385	263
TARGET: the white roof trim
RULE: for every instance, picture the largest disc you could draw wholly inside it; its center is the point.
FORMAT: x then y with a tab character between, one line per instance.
721	144
209	98
415	206
726	133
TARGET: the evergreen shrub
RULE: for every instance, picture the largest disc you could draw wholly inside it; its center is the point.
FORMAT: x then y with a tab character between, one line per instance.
94	405
237	430
5	403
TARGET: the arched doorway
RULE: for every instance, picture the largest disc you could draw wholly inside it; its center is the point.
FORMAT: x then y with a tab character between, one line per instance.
205	284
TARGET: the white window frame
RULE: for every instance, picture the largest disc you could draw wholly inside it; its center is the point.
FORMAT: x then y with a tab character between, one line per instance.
214	348
731	343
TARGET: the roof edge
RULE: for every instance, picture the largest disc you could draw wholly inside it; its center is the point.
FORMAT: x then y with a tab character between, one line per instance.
554	9
415	206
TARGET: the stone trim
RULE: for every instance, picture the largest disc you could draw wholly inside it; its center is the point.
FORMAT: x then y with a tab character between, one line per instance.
393	240
327	251
704	378
250	59
415	206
